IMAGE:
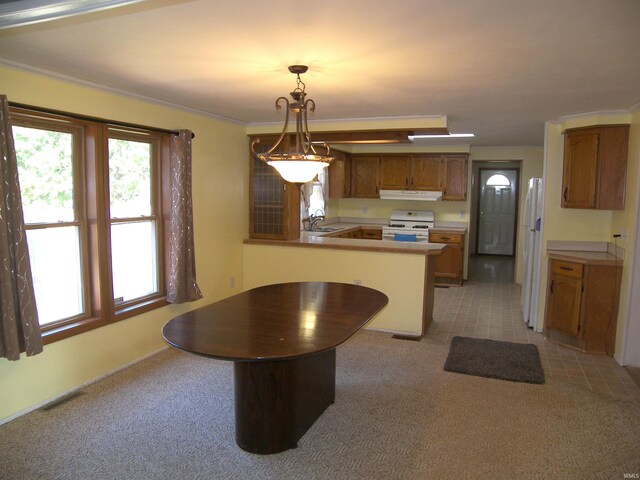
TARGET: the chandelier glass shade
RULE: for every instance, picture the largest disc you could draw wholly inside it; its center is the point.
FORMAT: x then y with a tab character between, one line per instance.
302	160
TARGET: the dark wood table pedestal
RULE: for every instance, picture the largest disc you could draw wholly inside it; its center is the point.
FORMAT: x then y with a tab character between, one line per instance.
276	402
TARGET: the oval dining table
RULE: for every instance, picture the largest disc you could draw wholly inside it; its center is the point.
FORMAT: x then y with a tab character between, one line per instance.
282	339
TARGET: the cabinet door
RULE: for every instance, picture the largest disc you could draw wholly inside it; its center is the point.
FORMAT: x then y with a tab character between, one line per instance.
371	233
563	304
449	262
613	151
425	172
455	178
274	205
580	169
364	176
340	175
394	173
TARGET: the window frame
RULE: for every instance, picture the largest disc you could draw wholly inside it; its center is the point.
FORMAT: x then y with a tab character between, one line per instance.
79	204
91	207
154	139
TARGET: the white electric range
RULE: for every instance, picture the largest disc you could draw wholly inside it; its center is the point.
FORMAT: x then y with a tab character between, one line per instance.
409	225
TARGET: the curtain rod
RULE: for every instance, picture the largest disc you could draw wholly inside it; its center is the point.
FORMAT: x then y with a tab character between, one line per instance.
94	119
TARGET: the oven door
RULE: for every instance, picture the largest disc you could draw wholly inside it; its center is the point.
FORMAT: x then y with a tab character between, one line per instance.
404	235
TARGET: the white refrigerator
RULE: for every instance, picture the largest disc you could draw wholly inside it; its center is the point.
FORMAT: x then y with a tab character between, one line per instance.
532	252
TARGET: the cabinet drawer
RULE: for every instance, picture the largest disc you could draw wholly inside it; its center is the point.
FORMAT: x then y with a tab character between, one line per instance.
568	269
445	237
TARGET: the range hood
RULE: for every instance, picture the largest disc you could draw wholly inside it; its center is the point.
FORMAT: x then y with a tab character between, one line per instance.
422	195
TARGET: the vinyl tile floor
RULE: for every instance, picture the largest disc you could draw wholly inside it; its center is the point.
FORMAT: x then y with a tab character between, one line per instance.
488	306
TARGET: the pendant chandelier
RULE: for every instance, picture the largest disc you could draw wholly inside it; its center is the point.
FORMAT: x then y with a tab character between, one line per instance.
301	162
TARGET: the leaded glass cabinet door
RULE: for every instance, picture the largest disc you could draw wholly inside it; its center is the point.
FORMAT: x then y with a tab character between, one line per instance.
274	203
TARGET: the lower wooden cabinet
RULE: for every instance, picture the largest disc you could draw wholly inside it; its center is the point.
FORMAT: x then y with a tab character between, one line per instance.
582	305
362	233
371	233
449	264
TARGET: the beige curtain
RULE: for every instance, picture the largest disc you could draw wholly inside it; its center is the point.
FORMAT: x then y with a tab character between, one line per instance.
182	275
19	327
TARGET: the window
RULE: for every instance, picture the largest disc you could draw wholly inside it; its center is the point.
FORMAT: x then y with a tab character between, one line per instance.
48	170
312	198
92	198
134	221
498	180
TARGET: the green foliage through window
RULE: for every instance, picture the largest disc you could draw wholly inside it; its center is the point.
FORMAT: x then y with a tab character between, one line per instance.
45	166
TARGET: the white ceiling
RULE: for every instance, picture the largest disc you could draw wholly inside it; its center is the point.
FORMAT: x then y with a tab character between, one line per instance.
498	68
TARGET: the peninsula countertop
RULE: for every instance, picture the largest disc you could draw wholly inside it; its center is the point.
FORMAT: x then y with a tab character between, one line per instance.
320	240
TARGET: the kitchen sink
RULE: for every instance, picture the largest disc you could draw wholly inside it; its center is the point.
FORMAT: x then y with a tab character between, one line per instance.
325	229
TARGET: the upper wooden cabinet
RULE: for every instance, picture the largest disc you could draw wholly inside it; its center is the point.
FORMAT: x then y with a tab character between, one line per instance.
410	172
454	178
340	175
365	176
595	167
395	173
426	172
274	205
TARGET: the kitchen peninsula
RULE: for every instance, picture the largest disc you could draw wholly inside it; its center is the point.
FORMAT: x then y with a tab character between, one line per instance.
404	271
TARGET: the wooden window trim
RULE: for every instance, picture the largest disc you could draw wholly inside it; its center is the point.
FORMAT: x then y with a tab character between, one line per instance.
91	181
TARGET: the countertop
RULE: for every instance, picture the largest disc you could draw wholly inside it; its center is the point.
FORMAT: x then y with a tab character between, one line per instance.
318	240
585	257
327	239
440	227
448	229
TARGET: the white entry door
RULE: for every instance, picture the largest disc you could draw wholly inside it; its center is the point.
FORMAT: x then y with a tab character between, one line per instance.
496	225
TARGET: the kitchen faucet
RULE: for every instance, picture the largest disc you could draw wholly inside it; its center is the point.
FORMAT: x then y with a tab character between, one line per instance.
313	220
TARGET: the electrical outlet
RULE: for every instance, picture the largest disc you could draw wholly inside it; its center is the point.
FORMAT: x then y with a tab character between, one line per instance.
365	209
232	281
357	282
462	214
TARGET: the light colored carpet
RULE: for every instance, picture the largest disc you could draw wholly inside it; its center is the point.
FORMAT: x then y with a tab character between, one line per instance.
397	415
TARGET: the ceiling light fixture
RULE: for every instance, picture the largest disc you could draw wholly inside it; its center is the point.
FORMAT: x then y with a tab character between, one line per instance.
448	135
302	162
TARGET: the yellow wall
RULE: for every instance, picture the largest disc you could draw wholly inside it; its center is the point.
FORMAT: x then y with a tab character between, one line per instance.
220	199
399	276
571	224
624	222
531	166
220	188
